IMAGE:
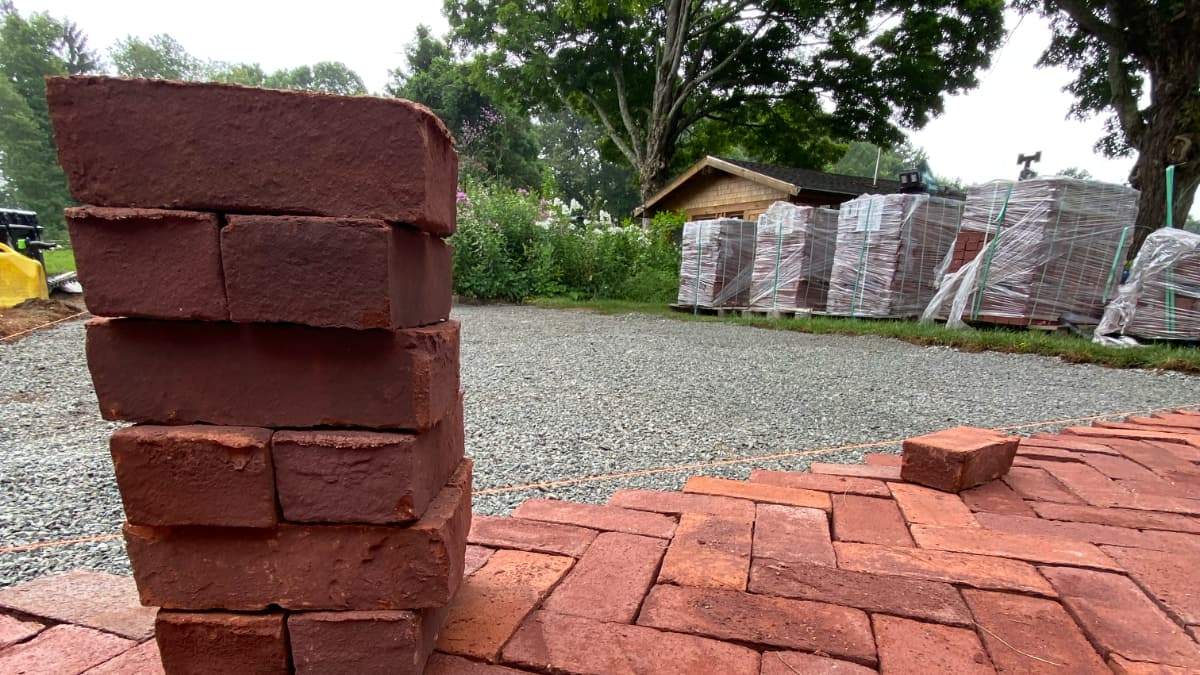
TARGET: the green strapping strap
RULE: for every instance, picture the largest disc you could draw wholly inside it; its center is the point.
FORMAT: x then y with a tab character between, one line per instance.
778	254
1112	271
999	222
862	253
699	255
1171	196
1170	283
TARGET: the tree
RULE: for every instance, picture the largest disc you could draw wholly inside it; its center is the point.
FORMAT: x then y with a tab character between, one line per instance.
330	77
860	157
1076	172
571	148
1125	51
160	57
651	71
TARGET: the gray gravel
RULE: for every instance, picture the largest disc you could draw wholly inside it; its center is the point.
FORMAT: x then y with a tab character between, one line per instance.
554	395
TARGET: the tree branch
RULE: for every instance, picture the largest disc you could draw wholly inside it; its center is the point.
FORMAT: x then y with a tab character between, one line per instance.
1090	23
623	105
632	154
1124	99
687	87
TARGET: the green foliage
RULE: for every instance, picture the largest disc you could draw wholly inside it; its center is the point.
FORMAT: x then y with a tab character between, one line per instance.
859	160
59	260
571	148
512	245
160	57
1076	172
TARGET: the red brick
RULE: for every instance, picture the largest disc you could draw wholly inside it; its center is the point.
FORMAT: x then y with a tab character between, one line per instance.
222	642
1127	431
1162	487
1031	635
348	476
676	503
793	535
1089	532
757	492
570	644
97	600
1130	518
62	649
362	643
1117	617
195	475
1033	547
995	497
445	664
1150	426
869	520
799	663
1038	485
178	372
148	263
1121	666
217	147
492	602
1169	420
1092	486
330	567
930	507
1120	468
708	551
530	535
1048	454
610	518
822	482
475	558
763	621
1162	458
877	471
928	600
610	580
957	458
280	269
1149	502
13	630
883	459
1170	577
977	571
1073	443
140	660
907	646
1169	541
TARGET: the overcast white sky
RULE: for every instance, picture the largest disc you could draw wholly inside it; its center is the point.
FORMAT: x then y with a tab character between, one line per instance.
1017	108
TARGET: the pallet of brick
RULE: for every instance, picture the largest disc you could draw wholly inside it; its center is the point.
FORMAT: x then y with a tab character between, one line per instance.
793	256
888	255
296	490
1161	298
1033	251
717	263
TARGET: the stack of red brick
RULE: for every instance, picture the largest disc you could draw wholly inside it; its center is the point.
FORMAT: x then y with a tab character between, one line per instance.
296	492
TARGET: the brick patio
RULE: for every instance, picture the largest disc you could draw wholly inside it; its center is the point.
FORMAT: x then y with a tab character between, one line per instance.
1081	560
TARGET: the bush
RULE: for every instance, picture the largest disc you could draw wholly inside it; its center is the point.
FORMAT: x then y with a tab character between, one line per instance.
512	245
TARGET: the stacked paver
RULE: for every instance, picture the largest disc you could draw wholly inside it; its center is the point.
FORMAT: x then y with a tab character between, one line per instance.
717	263
1161	299
793	256
1033	251
889	256
274	294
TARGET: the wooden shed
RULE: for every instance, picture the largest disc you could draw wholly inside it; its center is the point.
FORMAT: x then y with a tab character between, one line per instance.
718	187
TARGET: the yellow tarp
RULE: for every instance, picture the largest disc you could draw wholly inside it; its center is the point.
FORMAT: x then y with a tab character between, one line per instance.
21	278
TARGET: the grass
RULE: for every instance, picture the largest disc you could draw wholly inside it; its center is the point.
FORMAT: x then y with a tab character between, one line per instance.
59	260
1070	348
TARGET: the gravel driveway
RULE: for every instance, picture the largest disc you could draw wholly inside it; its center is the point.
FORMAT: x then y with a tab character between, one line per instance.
554	395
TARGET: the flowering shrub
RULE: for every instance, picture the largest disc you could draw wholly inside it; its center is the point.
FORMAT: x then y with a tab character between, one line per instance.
513	245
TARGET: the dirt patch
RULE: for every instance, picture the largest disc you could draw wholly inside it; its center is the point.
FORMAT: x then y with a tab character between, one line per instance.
33	313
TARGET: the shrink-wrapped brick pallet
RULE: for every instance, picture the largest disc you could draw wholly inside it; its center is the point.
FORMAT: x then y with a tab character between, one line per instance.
1043	249
889	254
295	488
717	263
1161	298
793	256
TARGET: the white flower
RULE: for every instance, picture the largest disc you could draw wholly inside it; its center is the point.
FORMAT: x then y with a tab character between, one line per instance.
576	206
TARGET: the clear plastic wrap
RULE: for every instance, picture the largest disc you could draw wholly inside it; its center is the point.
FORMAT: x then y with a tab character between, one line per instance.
889	254
793	257
1161	298
1039	249
718	260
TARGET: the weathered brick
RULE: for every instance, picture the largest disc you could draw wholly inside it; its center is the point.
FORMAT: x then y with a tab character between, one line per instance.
610	580
757	492
883	459
957	458
1038	485
62	649
823	482
1123	666
1033	547
799	663
995	497
530	535
1168	576
97	600
708	551
1162	488
1131	518
1018	626
348	476
195	475
1128	431
279	269
1163	459
876	471
869	520
363	642
571	644
475	557
1120	468
761	620
1169	420
217	147
977	571
676	503
1119	618
926	506
143	659
1047	454
907	646
222	642
493	601
918	599
1180	542
1089	532
178	372
1071	443
13	630
793	535
609	518
149	263
314	567
445	664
